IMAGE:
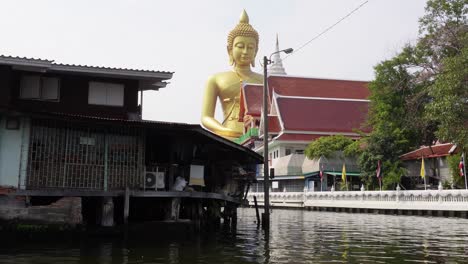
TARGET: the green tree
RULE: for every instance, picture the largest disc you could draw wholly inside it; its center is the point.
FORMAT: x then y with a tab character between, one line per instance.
457	181
329	146
446	44
420	95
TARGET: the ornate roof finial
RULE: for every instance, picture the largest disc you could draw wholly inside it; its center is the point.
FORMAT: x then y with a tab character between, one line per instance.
277	65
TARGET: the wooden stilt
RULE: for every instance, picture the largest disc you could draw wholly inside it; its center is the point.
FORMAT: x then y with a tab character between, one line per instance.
256	210
126	205
107	212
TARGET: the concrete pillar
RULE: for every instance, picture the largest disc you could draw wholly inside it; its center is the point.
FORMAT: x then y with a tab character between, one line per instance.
107	218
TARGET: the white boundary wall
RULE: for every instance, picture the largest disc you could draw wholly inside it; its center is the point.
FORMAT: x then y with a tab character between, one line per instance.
437	200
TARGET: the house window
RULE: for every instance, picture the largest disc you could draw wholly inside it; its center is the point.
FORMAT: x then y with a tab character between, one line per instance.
288	152
12	123
299	151
111	94
39	88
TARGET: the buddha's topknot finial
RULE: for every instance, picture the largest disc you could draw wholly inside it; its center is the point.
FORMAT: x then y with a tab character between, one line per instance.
244	18
242	29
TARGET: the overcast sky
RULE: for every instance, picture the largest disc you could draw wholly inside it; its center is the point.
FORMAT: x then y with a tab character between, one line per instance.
189	38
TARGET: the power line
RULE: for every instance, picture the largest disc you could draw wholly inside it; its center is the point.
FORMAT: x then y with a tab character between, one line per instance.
327	29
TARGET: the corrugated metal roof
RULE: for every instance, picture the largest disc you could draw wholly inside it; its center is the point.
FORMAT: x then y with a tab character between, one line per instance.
109	68
52	65
24	58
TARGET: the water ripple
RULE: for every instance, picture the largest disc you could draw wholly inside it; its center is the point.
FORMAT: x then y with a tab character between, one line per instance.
295	237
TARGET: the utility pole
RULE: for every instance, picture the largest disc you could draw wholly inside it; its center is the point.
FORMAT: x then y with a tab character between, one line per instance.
266	176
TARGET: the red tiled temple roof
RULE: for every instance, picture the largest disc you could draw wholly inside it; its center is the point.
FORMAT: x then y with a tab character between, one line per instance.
251	100
429	152
298	137
274	124
251	94
314	87
322	115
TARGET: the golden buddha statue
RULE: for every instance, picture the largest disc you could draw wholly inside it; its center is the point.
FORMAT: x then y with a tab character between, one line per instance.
242	47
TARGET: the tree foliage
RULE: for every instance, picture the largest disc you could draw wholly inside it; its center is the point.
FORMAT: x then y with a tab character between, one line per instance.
456	181
328	147
446	44
417	97
420	95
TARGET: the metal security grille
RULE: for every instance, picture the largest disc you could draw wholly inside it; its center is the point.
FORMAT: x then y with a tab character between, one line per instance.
76	155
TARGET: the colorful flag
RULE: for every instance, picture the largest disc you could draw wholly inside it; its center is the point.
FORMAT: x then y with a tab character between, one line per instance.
343	173
423	170
460	166
378	172
321	173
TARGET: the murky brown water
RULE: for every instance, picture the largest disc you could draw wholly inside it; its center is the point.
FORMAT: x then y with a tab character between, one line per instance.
295	237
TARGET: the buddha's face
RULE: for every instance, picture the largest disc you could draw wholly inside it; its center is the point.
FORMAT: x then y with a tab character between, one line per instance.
244	50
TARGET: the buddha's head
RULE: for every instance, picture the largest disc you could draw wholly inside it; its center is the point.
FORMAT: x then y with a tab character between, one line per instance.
242	44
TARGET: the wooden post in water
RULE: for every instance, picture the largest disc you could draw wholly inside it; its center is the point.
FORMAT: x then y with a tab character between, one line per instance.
256	210
126	205
233	218
107	212
197	214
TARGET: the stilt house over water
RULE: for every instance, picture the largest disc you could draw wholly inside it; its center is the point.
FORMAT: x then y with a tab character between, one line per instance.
77	131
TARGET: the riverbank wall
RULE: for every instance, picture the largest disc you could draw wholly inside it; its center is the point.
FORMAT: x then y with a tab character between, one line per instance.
65	211
449	203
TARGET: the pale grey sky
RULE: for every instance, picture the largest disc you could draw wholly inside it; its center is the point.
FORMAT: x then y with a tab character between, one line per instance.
189	38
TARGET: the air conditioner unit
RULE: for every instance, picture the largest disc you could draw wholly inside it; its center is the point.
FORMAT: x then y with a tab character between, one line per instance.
154	180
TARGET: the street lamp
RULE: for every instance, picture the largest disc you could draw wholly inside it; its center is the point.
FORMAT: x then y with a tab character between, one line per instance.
266	178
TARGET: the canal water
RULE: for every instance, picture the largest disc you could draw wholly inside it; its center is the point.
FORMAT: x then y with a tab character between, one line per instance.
295	237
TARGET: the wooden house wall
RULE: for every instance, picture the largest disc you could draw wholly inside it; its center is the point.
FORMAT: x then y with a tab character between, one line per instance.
74	97
5	75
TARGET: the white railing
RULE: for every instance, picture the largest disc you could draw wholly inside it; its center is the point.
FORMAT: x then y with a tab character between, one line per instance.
446	200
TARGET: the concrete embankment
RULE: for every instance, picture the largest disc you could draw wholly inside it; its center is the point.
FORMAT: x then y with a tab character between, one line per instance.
15	211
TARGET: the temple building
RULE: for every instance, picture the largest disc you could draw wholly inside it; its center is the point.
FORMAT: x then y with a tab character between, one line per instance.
300	110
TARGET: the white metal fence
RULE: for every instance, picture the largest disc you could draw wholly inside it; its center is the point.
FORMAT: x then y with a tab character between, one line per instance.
447	200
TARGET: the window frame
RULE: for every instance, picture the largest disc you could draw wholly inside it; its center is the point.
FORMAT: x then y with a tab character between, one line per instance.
40	88
108	86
